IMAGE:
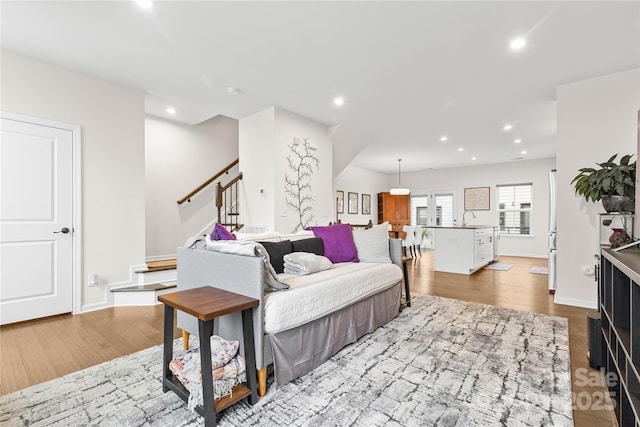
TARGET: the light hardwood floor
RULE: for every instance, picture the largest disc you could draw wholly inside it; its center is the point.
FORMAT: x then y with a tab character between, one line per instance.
40	350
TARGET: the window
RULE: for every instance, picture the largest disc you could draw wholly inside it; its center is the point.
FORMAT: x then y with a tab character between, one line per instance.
444	210
514	209
421	216
419	212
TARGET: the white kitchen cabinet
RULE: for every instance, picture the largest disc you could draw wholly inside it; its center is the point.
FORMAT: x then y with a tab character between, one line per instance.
483	247
463	250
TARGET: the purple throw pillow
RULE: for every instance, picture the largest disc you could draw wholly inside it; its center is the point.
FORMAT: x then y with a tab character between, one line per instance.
221	233
338	242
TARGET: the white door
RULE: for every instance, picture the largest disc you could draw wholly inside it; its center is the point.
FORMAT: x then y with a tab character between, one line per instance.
36	221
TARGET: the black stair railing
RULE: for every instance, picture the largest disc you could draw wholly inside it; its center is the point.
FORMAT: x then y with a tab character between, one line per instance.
227	202
227	197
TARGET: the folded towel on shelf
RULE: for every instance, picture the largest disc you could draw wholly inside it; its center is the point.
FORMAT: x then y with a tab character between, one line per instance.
228	368
301	263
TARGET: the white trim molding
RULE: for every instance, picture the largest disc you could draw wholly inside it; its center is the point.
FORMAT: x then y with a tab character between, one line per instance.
575	302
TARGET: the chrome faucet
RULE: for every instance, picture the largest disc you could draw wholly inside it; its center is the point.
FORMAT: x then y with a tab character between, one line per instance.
465	212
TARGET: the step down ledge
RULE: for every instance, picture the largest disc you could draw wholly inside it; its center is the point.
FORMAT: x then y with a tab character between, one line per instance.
159	265
147	287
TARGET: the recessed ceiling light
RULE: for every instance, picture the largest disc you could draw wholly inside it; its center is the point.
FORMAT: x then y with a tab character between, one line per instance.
443	138
232	91
460	149
518	43
145	4
338	101
171	110
507	127
523	152
517	141
473	158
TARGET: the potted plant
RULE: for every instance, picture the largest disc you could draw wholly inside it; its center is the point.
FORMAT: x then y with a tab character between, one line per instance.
612	183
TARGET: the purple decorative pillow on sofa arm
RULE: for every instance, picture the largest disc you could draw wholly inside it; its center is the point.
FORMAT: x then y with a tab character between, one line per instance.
219	232
338	242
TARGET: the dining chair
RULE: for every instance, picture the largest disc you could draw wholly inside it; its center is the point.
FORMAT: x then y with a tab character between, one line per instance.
417	242
409	239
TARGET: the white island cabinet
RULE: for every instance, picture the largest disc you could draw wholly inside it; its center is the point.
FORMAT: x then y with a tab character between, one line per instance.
464	250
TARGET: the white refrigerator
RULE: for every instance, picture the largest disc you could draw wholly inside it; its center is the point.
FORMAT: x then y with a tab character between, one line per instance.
552	230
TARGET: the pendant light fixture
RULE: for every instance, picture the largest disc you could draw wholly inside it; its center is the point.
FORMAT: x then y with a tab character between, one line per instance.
399	191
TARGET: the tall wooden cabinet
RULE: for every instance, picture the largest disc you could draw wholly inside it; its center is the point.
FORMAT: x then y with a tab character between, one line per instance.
395	209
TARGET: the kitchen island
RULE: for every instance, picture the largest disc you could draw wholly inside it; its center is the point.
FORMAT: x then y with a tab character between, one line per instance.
464	249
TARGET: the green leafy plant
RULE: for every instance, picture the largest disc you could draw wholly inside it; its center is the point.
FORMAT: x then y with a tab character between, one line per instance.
610	179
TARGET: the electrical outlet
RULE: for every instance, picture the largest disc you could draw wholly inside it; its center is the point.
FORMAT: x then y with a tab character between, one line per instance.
94	279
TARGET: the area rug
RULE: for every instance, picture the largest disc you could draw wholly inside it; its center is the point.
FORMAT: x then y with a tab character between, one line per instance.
539	270
498	266
441	362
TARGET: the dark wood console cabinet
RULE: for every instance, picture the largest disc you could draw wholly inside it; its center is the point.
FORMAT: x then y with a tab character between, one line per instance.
395	209
619	305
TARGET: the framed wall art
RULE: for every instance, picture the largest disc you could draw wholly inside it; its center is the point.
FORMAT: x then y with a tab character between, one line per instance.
353	203
476	199
366	204
340	202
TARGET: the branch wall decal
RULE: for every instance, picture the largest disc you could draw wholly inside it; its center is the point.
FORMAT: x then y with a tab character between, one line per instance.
301	162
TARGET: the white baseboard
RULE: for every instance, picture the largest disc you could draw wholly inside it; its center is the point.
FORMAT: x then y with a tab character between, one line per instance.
575	302
160	257
94	307
133	298
156	277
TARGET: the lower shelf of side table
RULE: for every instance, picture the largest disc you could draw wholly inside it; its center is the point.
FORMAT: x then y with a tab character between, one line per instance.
239	392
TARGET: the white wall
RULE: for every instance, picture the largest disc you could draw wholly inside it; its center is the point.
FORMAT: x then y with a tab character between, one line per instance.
256	148
596	118
361	181
347	143
113	189
517	172
288	127
263	147
178	159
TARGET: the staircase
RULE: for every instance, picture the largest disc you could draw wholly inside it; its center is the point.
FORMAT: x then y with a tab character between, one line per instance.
156	278
227	200
159	277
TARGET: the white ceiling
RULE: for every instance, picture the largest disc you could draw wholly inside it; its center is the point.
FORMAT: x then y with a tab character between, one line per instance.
409	72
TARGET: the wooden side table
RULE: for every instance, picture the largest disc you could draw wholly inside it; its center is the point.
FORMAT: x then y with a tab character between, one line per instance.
207	303
407	292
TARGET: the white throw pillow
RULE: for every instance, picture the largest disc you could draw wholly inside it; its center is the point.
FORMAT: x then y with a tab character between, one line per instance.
373	244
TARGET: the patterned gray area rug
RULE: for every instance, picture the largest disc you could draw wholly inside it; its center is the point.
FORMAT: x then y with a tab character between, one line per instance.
441	362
